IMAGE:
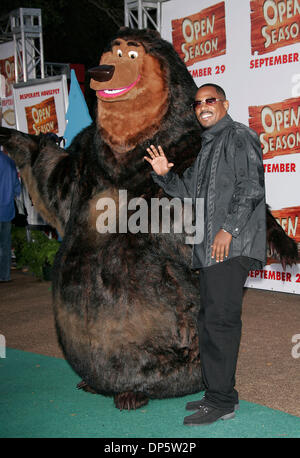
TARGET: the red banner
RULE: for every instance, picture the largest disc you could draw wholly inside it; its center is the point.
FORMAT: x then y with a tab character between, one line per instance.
289	220
7	69
274	23
200	36
42	118
277	125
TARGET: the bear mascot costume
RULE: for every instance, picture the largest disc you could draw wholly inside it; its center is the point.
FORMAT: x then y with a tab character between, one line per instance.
125	304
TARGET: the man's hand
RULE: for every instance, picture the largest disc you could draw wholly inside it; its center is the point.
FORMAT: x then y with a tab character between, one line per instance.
159	162
220	247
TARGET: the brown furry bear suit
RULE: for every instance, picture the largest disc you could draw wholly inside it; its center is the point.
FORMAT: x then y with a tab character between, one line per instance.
125	304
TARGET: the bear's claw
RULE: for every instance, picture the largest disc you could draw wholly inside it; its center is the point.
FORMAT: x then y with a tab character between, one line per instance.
130	400
85	387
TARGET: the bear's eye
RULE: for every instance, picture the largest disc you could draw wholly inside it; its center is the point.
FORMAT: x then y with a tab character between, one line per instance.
119	53
133	54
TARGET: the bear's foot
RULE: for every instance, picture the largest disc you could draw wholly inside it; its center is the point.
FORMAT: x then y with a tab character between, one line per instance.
85	387
130	400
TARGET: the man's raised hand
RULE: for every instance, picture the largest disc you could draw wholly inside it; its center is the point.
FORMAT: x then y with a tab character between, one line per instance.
158	160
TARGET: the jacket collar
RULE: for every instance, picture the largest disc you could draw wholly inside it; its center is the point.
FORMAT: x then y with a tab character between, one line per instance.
211	132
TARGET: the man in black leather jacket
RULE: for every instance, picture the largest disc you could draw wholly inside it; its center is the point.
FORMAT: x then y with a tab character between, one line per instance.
228	174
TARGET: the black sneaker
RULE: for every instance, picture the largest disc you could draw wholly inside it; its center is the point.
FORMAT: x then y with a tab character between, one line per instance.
196	405
207	415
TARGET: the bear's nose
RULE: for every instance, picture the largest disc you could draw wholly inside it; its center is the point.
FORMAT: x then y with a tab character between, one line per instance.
102	73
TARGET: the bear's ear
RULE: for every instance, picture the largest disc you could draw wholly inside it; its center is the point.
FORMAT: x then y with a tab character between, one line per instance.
153	32
156	33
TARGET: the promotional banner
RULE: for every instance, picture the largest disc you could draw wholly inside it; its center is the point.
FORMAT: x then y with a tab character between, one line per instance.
7	79
200	36
252	49
41	105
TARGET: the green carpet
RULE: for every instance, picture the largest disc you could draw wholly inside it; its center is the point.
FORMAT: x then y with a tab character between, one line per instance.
38	399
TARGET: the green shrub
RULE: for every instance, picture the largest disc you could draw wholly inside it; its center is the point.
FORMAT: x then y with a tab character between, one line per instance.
36	254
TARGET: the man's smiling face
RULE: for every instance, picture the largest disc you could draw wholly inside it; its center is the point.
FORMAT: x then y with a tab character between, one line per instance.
209	114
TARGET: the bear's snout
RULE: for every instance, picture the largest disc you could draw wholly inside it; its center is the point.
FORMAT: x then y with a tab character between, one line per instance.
102	72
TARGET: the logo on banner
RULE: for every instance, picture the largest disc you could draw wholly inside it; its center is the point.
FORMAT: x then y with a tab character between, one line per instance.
289	220
277	125
42	118
7	73
7	69
200	36
274	23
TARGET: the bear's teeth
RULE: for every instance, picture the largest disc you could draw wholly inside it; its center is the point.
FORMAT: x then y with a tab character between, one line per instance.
112	91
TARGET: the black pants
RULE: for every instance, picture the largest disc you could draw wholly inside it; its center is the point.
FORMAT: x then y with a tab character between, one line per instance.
221	289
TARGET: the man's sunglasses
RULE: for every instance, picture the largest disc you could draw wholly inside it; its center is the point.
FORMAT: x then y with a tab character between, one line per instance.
209	101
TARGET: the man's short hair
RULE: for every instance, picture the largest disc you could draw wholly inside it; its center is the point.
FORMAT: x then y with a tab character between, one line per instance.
219	90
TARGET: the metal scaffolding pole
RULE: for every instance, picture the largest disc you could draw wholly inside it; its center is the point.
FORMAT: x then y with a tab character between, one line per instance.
142	14
27	33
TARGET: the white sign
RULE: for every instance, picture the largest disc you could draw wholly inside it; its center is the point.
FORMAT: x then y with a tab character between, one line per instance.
41	105
251	48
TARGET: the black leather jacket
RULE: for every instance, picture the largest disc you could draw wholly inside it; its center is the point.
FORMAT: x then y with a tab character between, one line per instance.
228	173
